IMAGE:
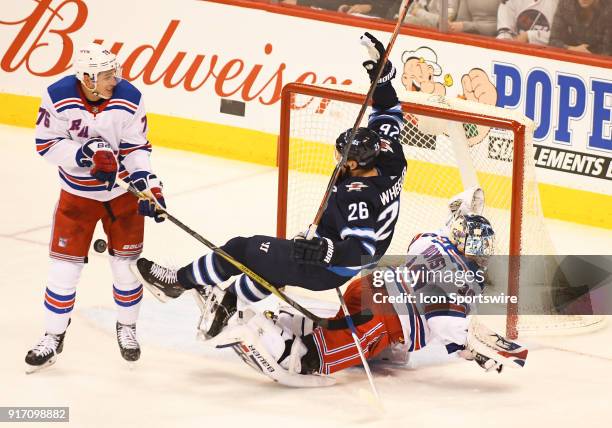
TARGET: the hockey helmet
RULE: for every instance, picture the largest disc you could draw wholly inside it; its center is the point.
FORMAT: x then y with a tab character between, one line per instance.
473	235
364	148
94	59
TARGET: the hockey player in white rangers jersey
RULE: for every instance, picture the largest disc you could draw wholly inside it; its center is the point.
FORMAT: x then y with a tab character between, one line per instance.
92	125
527	21
407	314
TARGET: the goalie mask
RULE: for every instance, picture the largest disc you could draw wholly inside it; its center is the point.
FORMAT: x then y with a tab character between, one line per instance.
364	149
93	60
473	235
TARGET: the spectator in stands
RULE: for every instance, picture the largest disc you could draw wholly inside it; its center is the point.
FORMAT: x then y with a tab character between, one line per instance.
527	21
426	13
583	26
376	8
476	17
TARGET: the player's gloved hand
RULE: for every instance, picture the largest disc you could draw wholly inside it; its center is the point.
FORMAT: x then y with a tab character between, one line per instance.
376	51
315	251
99	156
150	185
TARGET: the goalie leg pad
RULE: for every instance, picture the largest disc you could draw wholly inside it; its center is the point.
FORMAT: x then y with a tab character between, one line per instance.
261	344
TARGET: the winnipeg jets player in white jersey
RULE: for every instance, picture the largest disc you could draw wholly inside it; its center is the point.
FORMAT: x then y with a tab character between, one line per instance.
92	126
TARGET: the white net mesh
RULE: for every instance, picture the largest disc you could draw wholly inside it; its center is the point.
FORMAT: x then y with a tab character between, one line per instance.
463	153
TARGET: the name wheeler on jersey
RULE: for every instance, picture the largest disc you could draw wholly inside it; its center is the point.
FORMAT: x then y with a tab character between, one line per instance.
66	120
365	209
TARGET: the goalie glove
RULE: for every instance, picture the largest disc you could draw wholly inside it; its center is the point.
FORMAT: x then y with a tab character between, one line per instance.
376	51
490	350
469	201
151	186
98	155
315	251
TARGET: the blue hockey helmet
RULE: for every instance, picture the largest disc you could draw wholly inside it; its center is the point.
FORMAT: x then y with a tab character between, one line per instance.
364	149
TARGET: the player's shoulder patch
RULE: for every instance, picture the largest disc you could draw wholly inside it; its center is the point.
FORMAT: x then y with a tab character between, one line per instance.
356	186
63	89
125	91
356	189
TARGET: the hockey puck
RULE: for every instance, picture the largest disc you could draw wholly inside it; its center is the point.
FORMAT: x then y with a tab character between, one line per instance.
100	245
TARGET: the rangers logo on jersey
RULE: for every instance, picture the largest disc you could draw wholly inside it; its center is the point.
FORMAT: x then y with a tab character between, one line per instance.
355	186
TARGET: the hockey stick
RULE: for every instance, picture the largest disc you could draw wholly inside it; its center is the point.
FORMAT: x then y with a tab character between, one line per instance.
345	151
323	322
336	174
353	329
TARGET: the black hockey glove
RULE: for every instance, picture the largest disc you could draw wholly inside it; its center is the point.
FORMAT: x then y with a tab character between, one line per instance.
376	51
315	251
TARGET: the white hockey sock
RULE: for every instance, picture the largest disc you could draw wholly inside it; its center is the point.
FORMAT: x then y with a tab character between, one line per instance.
127	291
60	294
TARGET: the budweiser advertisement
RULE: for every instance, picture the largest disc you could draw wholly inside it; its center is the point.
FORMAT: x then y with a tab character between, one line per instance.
224	66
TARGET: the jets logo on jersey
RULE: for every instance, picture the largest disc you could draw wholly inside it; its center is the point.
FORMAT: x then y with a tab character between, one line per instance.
532	19
355	186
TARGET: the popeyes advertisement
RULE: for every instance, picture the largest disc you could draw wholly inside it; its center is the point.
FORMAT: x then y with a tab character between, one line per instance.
190	58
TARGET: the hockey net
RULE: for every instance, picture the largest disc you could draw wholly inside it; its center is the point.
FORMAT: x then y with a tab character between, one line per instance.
450	144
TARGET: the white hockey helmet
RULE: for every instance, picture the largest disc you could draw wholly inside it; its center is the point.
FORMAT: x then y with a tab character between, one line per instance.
94	59
473	235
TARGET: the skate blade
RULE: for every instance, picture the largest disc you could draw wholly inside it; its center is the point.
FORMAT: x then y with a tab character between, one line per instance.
155	292
33	369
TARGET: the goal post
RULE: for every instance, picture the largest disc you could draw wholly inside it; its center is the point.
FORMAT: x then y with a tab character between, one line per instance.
447	142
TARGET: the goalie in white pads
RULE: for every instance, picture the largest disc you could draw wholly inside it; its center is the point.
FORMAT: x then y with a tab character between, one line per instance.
290	350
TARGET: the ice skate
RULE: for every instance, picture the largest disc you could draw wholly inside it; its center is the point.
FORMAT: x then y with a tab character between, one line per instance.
128	344
44	354
161	281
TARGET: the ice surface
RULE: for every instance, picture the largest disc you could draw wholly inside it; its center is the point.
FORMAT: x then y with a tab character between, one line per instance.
180	383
